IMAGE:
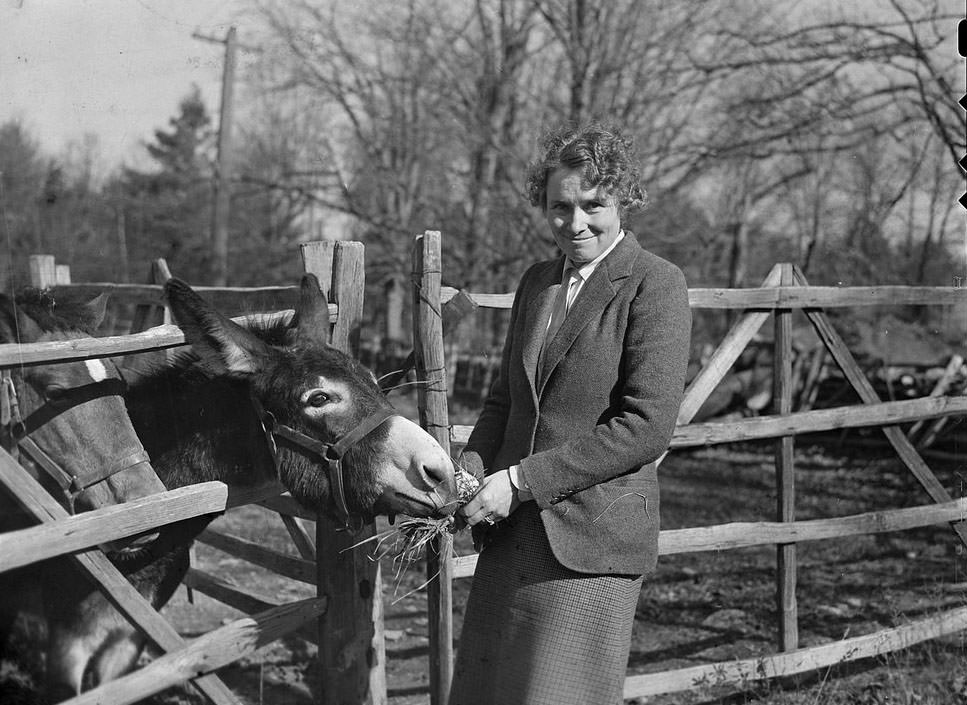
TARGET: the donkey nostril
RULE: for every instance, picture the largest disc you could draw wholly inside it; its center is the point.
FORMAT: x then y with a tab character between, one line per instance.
440	479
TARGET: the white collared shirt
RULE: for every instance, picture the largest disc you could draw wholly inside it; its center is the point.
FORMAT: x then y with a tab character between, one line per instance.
583	272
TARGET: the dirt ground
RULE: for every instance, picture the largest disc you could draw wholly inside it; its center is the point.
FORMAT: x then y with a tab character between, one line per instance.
697	608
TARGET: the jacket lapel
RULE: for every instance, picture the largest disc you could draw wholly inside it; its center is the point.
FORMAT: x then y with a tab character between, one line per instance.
537	316
588	306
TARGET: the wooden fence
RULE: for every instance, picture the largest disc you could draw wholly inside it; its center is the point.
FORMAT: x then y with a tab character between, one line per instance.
784	290
347	608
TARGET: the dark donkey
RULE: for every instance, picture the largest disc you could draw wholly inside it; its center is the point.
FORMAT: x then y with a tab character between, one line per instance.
245	406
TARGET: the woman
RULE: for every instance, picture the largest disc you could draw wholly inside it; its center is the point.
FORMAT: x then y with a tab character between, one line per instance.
585	402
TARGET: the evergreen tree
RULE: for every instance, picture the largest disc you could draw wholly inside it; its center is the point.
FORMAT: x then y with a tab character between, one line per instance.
21	186
167	210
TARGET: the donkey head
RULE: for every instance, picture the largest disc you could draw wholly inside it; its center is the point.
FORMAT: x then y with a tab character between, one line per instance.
69	418
321	396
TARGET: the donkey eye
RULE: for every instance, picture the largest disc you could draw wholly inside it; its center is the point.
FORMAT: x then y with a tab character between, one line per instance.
318	399
55	394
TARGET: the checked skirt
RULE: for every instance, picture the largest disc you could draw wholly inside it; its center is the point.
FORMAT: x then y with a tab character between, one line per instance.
537	633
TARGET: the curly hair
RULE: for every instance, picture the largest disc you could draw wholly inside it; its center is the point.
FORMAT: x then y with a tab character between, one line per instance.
605	156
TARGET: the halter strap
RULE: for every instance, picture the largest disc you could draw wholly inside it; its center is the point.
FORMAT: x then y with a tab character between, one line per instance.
330	454
75	396
72	484
20	430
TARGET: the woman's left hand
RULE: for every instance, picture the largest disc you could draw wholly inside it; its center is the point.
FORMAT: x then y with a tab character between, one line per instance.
495	500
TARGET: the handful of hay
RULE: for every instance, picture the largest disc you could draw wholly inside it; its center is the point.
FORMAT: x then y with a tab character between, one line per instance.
406	542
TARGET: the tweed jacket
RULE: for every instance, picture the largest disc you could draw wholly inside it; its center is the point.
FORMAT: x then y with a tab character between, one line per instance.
589	425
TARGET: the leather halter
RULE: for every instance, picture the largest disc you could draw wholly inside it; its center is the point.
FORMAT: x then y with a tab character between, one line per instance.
20	429
329	454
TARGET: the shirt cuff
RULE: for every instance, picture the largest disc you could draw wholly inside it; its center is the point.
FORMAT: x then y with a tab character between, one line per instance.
519	482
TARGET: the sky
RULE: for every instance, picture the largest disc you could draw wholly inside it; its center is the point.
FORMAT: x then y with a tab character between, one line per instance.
115	68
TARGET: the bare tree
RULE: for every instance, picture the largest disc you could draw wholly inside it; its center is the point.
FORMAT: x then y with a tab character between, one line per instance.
854	70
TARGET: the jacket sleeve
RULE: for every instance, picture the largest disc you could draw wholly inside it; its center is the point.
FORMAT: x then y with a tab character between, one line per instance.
639	426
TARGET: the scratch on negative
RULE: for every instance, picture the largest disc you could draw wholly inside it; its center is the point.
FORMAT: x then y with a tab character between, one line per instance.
626	494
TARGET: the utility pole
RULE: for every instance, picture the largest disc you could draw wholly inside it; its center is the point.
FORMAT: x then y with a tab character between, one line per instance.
223	170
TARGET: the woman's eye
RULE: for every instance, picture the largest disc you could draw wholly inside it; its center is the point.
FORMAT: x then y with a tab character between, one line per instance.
319	399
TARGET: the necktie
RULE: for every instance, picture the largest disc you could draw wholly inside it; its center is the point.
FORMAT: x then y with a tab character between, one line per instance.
562	302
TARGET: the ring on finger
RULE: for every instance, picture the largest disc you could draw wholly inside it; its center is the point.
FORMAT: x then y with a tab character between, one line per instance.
489	519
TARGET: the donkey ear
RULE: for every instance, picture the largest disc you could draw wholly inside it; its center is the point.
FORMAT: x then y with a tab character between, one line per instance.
223	346
311	319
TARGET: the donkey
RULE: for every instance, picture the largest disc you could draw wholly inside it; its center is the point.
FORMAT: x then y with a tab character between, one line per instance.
245	406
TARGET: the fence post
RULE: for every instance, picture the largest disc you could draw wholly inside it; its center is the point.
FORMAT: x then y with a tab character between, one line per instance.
352	649
434	416
782	391
43	271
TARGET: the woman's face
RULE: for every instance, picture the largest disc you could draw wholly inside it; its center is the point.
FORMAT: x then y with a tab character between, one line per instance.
584	222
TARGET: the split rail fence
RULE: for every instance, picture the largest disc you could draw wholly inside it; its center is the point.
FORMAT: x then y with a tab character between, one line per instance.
344	620
784	290
348	608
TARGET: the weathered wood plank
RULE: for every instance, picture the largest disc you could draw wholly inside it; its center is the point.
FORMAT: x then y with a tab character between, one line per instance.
158	338
724	356
43	271
864	389
723	537
242	600
886	413
434	417
225	592
300	536
954	366
762	427
744	671
205	654
783	297
782	390
257	554
352	655
82	531
228	300
31	496
748	534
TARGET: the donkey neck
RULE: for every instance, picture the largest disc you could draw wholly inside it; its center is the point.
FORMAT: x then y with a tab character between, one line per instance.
197	428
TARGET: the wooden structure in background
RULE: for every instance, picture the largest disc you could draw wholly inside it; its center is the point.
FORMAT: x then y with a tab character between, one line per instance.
784	290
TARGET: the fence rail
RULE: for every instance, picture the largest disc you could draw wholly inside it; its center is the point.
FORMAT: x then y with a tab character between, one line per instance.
780	297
